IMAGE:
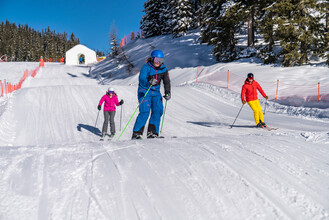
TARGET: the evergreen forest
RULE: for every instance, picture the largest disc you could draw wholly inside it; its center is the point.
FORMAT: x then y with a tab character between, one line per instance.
22	43
288	32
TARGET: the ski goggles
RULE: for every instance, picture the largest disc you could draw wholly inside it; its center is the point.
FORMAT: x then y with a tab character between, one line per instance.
158	60
111	92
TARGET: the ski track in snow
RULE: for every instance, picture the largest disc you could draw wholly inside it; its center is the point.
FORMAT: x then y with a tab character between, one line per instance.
52	165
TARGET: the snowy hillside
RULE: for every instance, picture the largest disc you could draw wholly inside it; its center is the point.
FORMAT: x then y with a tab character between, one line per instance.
298	86
53	165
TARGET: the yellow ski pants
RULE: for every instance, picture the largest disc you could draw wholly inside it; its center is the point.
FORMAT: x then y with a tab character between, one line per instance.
258	114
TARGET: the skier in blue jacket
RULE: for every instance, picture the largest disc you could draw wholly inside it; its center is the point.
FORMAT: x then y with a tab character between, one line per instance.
150	76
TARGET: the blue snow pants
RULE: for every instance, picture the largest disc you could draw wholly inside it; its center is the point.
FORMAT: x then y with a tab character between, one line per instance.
151	103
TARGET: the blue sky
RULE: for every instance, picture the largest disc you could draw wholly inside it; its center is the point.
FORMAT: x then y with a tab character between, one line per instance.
89	20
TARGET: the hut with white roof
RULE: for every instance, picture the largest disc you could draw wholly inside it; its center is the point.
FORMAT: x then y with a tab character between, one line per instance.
80	54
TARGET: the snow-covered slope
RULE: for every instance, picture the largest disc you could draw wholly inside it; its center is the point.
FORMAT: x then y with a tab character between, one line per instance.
53	166
297	86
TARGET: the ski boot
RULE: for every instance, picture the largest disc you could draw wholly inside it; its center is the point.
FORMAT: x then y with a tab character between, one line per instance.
263	123
152	135
103	137
137	136
260	125
111	135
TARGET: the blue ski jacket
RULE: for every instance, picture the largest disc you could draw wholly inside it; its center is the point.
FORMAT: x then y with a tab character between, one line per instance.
148	72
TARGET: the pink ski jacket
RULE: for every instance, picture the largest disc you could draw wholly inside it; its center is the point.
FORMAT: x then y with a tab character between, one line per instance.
110	103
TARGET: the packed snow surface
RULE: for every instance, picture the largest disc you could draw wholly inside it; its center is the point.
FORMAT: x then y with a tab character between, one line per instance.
53	165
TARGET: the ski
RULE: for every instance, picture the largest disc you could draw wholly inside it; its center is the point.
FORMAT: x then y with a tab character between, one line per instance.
103	139
107	137
170	137
270	128
159	137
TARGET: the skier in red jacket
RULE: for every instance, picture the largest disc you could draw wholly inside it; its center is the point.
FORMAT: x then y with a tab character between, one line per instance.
249	91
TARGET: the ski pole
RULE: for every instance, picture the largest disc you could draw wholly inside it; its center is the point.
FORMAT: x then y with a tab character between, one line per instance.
96	119
164	113
120	117
134	112
265	107
237	115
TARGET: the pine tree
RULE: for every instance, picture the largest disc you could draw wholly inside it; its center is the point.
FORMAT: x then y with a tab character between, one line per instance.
22	43
2	26
153	20
181	12
113	40
100	53
219	26
210	12
298	29
323	8
266	28
164	18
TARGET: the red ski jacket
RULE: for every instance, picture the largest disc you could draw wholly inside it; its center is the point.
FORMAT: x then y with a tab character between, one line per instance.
250	91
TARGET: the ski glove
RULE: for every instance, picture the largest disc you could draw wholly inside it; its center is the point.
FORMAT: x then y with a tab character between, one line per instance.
121	102
99	107
266	97
244	102
167	96
153	81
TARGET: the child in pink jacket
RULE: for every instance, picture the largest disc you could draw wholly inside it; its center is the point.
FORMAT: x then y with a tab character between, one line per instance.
111	100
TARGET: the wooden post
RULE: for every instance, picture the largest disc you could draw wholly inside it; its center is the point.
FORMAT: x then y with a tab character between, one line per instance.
277	90
1	88
197	73
5	87
318	92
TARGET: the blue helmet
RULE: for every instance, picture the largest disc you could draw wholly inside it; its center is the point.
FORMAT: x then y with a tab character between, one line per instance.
157	53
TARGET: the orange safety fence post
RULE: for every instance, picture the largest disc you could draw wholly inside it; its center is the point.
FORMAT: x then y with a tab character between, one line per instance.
1	88
277	90
318	92
132	35
7	87
197	73
228	77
